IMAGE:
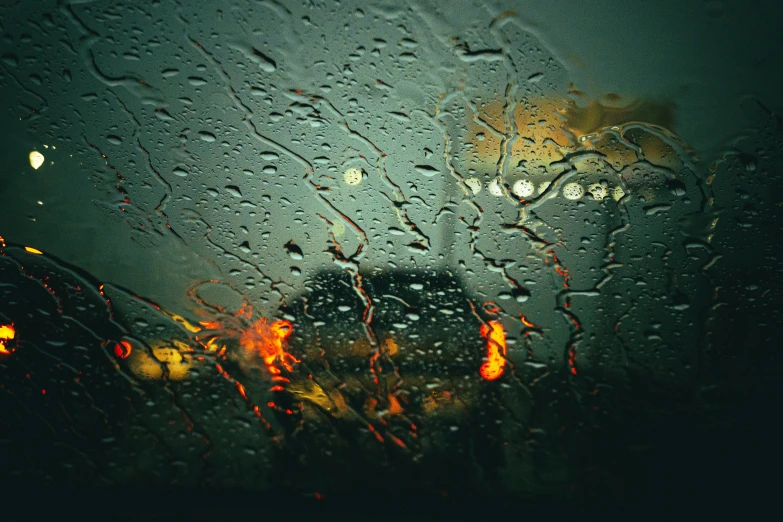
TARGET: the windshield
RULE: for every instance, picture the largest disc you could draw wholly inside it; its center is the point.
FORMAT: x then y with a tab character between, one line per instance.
451	250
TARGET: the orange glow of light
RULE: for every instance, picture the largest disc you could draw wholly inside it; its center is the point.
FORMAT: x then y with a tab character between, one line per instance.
391	346
242	391
7	333
572	359
122	349
33	250
211	345
491	307
397	441
211	325
266	340
378	436
526	322
496	350
395	408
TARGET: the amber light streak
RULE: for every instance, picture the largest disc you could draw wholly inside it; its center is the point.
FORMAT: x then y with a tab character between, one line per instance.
266	340
496	350
7	333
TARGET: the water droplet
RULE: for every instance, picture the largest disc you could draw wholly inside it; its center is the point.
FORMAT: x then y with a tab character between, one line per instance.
677	188
36	159
598	191
352	176
573	191
426	170
523	188
473	184
655	209
294	251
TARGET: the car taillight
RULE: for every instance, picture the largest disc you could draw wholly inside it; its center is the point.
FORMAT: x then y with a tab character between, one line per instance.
496	350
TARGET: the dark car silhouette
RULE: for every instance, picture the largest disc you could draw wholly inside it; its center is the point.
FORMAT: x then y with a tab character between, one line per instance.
392	377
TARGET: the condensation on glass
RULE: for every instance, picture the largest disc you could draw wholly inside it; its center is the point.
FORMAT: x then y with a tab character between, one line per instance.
340	246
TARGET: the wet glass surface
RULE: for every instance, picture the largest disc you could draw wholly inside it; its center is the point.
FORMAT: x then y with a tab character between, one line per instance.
387	249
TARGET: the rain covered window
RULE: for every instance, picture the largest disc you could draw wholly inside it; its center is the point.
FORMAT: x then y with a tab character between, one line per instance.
444	249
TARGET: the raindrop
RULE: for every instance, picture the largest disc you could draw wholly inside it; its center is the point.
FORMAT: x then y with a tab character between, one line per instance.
598	191
426	170
36	159
677	188
748	161
294	251
473	184
655	209
521	295
352	176
573	191
234	191
10	59
523	188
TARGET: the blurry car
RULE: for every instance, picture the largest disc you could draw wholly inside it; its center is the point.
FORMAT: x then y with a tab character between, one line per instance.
408	362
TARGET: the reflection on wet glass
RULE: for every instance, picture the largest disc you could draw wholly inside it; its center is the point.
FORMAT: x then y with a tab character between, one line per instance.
347	241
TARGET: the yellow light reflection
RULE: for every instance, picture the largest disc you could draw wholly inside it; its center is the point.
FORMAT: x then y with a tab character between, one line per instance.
36	159
174	356
7	333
